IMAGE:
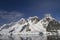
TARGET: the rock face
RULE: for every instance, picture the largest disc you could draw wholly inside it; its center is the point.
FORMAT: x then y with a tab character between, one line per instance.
31	25
53	26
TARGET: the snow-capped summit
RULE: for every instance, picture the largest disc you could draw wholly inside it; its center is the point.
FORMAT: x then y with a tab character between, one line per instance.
34	19
31	18
45	21
22	21
48	15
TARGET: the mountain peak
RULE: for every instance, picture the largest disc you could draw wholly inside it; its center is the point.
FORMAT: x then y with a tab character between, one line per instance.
22	21
31	18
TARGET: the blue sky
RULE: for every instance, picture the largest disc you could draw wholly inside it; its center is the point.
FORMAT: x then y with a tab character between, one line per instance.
13	10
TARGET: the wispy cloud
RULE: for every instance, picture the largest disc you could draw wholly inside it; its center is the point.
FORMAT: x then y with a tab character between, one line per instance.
13	15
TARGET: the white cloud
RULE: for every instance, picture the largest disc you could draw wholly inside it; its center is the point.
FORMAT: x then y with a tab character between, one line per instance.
13	15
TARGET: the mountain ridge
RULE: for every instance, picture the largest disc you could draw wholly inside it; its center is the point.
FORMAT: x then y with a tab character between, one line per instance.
32	24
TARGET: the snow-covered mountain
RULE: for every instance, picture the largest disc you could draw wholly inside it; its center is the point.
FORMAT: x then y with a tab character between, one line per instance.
32	24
